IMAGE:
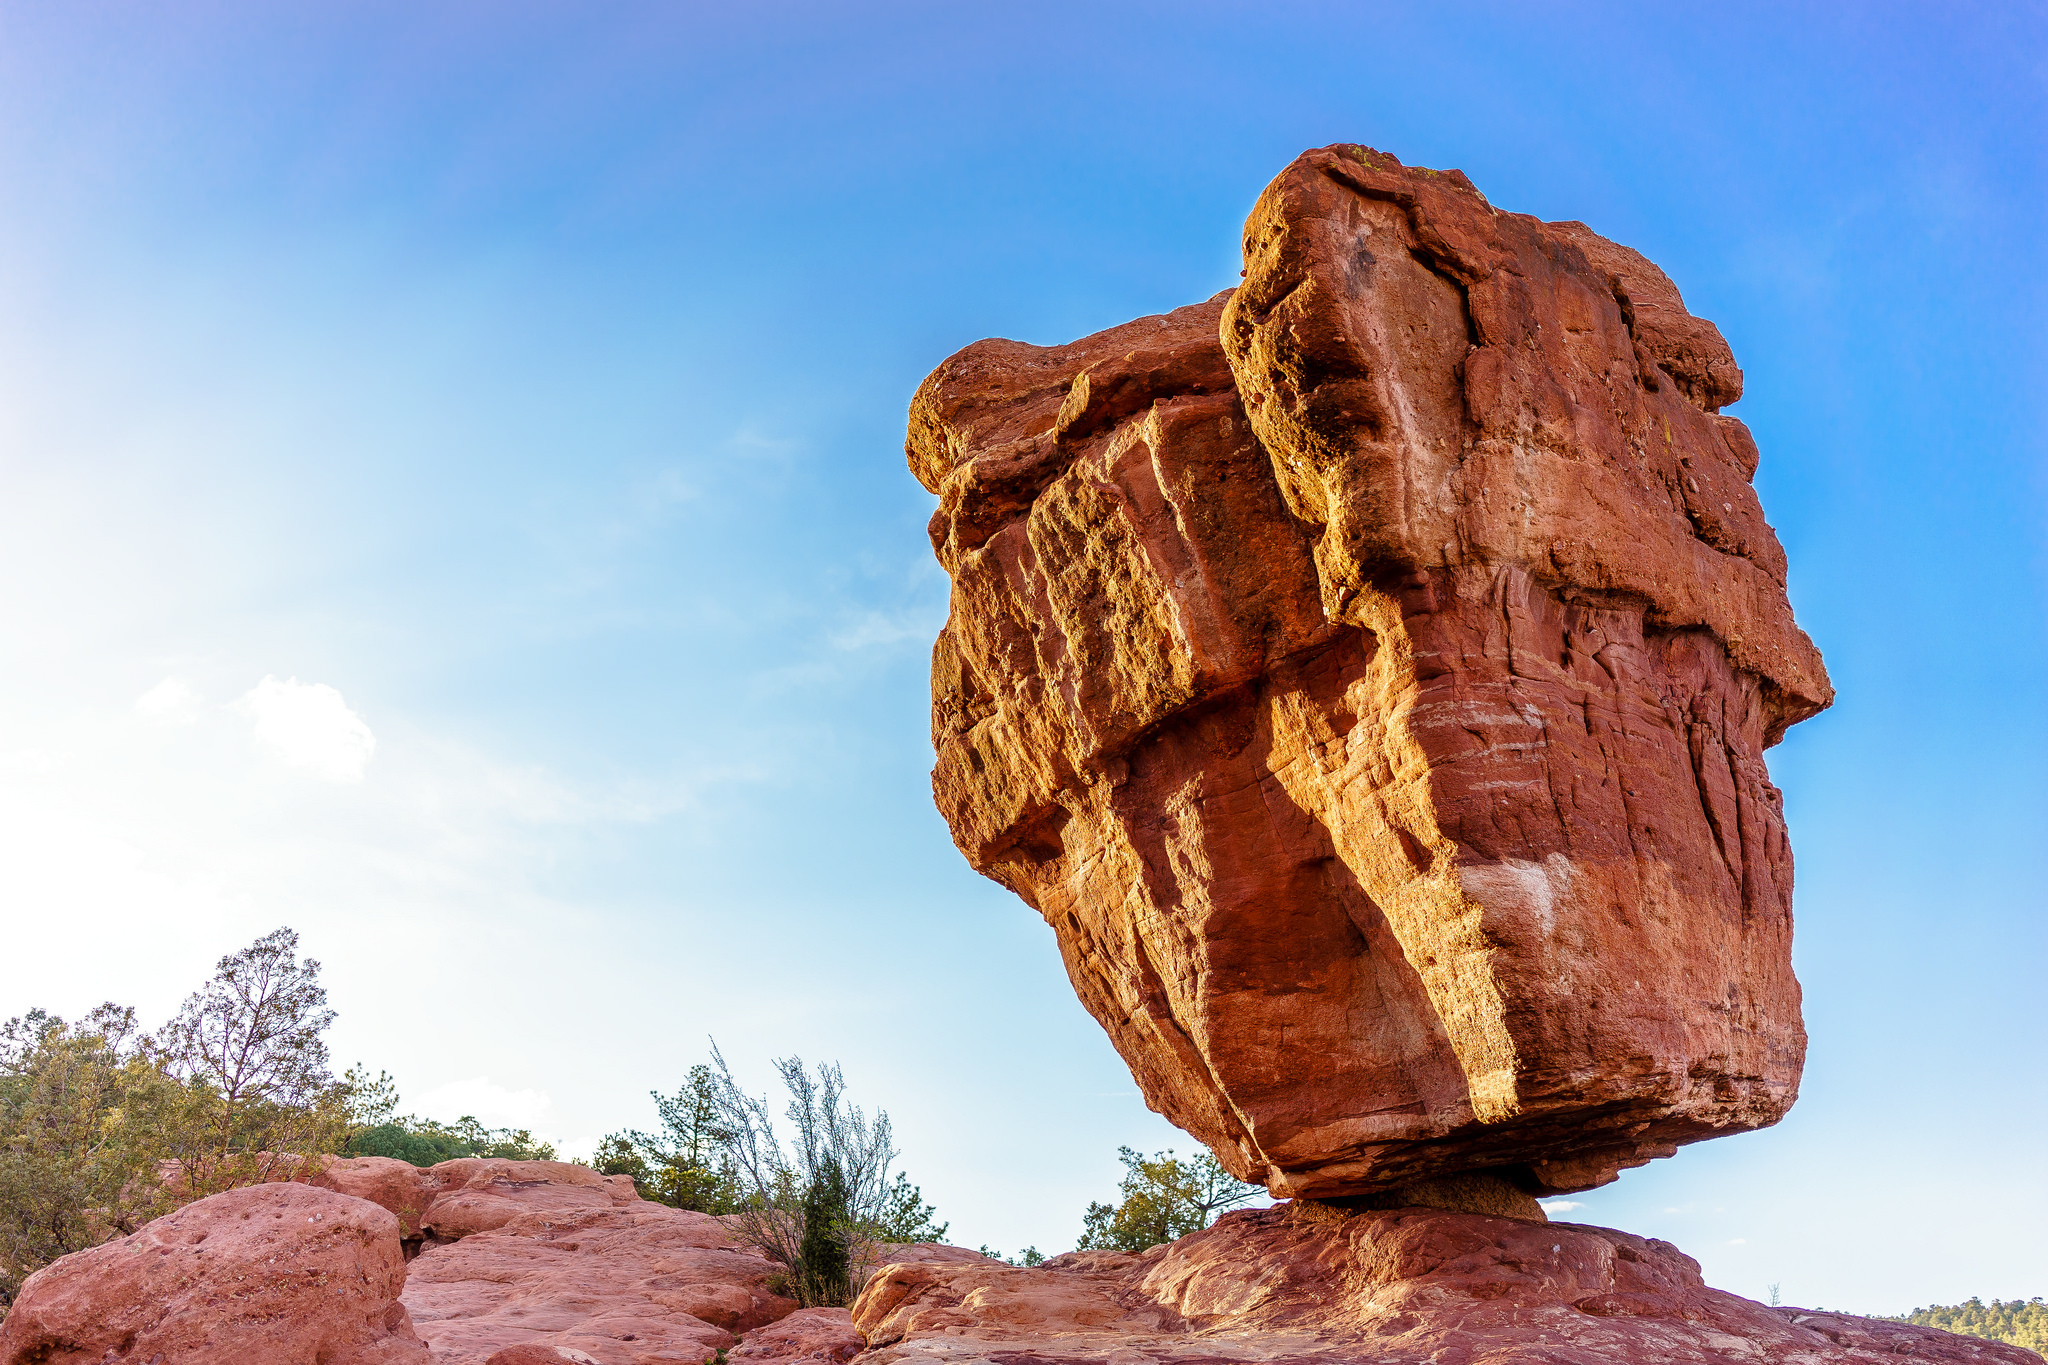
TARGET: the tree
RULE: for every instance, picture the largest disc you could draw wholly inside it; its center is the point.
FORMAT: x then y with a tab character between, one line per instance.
822	1251
831	1188
249	1047
683	1165
1165	1199
84	1112
907	1218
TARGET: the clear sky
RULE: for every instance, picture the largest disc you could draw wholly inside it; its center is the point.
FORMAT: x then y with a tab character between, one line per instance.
452	502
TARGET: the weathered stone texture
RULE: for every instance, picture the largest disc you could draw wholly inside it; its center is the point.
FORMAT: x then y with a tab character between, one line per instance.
280	1273
1367	675
1395	1287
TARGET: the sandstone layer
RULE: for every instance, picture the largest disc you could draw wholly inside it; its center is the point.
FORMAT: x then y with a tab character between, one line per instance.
1401	1287
1367	674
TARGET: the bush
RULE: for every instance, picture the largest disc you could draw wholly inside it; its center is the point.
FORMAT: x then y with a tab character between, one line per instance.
823	1206
1165	1199
86	1111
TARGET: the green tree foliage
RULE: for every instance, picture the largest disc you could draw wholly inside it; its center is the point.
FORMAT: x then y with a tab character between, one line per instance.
427	1142
684	1165
249	1047
85	1110
905	1217
1165	1198
103	1128
2019	1322
376	1128
823	1263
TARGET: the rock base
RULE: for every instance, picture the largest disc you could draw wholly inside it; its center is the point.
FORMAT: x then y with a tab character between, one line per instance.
1293	1284
572	1270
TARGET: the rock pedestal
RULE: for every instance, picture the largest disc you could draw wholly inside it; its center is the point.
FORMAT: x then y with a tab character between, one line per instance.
1367	673
1392	1287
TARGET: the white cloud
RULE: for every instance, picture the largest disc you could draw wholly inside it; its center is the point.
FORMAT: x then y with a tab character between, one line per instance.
309	726
1560	1205
172	702
1738	1241
493	1105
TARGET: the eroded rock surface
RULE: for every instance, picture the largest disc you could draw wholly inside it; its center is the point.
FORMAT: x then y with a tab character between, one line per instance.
399	1186
557	1258
1367	673
809	1334
281	1273
478	1194
1405	1285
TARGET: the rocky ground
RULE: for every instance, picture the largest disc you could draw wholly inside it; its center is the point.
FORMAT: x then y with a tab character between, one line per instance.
486	1262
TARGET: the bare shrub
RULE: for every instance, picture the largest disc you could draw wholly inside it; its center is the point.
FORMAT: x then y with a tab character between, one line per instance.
818	1206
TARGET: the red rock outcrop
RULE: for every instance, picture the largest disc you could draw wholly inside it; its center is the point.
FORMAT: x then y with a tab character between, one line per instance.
632	1285
1366	673
1398	1286
399	1186
281	1273
477	1194
553	1259
809	1334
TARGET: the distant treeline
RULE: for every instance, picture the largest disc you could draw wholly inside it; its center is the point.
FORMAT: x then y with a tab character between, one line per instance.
2018	1322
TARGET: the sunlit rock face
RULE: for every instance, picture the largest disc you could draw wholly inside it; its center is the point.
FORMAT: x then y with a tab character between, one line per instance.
1367	673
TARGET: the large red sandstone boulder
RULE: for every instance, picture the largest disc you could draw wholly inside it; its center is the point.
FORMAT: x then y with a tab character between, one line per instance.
281	1273
634	1284
1367	675
1395	1286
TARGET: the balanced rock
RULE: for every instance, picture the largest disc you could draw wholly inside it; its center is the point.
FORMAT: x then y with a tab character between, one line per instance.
1367	673
279	1273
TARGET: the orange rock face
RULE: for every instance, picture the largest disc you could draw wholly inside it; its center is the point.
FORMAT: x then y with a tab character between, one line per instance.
1367	673
280	1273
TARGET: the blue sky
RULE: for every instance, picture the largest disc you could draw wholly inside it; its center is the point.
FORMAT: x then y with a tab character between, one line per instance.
519	390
